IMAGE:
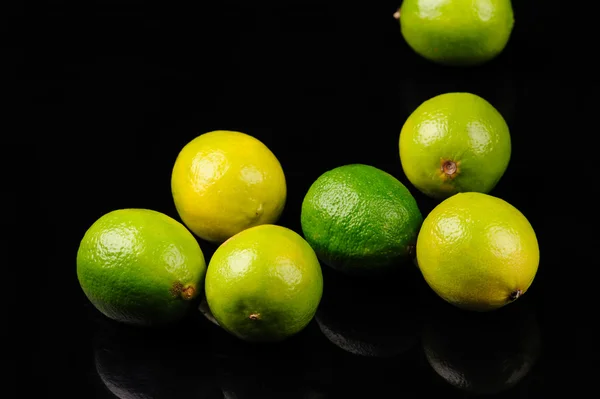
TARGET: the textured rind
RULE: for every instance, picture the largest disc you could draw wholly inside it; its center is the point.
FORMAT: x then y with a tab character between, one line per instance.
457	32
264	284
224	182
475	250
460	127
134	265
360	219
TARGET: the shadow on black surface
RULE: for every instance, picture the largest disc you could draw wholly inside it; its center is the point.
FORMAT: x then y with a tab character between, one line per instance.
154	363
371	316
481	353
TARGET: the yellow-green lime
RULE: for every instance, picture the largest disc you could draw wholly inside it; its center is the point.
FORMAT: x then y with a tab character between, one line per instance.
457	32
360	219
139	266
454	142
477	252
224	182
264	284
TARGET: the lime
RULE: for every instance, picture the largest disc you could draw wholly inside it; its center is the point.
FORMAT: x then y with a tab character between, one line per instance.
454	142
264	284
477	252
139	266
360	219
457	32
224	182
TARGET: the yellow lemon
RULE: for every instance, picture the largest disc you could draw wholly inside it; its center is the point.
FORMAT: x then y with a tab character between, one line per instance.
224	182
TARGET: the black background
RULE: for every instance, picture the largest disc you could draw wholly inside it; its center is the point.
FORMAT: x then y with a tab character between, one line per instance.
119	87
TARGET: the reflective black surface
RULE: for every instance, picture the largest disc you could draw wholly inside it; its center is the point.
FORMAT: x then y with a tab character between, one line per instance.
119	87
362	343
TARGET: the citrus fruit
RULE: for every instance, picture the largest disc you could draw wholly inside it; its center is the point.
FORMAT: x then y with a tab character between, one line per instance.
477	252
457	32
454	142
264	284
139	266
360	219
224	182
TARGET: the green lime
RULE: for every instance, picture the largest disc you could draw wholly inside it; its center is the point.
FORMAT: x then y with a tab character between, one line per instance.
139	266
264	284
360	219
457	32
454	142
477	252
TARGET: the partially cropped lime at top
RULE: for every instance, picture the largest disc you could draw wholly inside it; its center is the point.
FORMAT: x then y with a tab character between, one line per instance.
478	252
457	32
264	284
139	266
454	142
360	219
224	182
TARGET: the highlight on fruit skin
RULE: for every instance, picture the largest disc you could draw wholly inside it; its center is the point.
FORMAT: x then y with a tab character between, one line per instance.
477	252
456	33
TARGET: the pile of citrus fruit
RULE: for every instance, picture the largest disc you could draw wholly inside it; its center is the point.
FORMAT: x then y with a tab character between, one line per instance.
264	281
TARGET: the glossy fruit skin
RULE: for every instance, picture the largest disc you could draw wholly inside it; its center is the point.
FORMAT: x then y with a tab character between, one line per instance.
140	267
457	32
477	252
462	128
224	182
360	219
264	284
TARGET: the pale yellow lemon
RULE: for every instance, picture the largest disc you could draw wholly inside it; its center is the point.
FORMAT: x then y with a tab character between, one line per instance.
224	182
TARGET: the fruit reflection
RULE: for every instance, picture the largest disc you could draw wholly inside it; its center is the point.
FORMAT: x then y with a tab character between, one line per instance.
482	353
373	317
205	311
168	363
291	369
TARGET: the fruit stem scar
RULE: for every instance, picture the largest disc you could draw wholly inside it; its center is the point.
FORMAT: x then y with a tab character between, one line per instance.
449	167
397	14
254	316
515	295
185	292
188	292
